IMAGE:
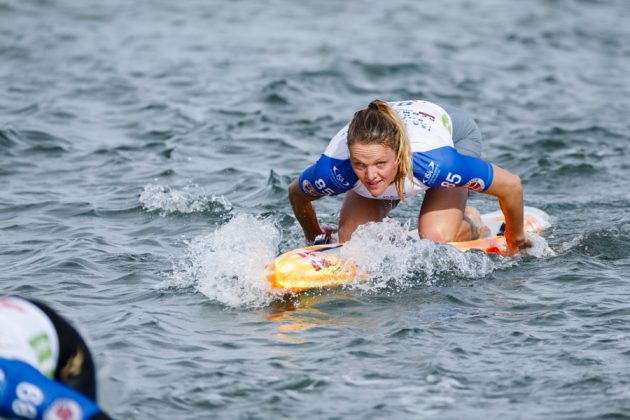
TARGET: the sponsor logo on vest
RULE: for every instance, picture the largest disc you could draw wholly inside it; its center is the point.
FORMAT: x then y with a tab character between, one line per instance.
339	177
476	184
64	409
11	304
446	122
308	187
429	173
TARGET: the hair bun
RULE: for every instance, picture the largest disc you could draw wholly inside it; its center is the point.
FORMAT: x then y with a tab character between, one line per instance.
378	105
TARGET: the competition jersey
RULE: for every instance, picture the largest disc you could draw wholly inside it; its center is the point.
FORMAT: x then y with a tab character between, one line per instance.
28	335
29	352
26	393
436	162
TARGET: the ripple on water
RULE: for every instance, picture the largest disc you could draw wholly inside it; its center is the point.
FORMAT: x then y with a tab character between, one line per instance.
190	199
607	244
33	142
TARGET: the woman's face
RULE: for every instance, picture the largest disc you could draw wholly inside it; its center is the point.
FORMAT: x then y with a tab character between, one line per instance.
375	165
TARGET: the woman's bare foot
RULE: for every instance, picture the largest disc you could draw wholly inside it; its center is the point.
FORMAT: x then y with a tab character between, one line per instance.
479	230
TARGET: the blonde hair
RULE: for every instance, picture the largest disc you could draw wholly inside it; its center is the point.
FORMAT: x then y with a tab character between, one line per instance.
380	124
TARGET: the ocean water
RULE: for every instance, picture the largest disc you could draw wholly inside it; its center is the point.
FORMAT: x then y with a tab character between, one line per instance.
145	152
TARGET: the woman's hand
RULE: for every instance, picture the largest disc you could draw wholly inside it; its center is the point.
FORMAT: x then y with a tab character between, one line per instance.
509	191
328	236
514	247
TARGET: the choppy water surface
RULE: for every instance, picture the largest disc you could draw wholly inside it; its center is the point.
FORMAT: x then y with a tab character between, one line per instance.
146	148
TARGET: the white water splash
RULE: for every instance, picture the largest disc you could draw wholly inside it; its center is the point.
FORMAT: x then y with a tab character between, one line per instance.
227	265
540	247
386	251
189	199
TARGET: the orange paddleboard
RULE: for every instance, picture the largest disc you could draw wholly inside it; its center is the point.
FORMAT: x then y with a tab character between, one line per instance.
320	266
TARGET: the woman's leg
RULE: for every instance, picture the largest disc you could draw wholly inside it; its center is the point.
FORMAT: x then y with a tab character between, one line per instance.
358	210
444	216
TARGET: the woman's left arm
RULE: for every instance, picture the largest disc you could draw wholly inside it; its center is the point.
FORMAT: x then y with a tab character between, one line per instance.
508	189
445	167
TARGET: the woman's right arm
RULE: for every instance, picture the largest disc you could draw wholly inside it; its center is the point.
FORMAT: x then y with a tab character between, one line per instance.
304	211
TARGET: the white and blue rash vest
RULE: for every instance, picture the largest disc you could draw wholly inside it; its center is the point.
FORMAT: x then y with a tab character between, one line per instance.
436	162
29	353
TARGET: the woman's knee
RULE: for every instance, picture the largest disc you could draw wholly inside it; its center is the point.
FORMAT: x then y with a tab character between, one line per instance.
438	232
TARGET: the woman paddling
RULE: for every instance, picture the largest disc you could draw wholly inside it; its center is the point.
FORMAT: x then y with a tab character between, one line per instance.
391	151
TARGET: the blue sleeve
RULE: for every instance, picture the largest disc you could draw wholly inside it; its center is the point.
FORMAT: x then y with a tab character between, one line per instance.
328	176
26	393
445	167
